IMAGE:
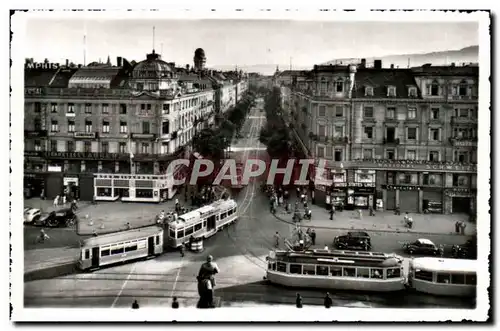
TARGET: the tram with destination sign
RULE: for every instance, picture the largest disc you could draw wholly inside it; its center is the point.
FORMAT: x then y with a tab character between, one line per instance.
339	270
203	222
438	276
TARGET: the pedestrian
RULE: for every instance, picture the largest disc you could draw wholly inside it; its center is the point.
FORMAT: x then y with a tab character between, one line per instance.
313	200
328	201
371	211
56	201
127	225
366	246
177	205
74	207
277	239
64	200
360	214
332	211
326	248
441	250
328	300
191	241
298	301
462	227
298	192
135	305
182	249
175	303
313	237
43	236
457	227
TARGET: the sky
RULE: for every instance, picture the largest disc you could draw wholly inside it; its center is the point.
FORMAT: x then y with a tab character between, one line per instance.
240	42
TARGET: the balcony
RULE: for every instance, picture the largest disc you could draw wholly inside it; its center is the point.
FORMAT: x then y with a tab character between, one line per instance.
463	120
165	136
35	134
463	142
391	141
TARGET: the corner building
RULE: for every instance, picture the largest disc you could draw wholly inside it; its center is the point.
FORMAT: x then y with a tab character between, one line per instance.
391	137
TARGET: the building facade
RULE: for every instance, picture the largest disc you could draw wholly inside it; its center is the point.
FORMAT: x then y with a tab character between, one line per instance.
391	138
131	120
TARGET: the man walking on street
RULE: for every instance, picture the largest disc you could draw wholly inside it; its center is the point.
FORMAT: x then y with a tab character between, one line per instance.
332	211
182	249
277	240
313	237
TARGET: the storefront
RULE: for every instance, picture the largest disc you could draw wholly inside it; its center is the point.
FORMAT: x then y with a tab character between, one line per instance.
360	195
71	187
34	185
404	196
460	200
432	200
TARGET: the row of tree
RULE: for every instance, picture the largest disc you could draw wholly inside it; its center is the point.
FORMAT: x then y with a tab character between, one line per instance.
211	142
275	135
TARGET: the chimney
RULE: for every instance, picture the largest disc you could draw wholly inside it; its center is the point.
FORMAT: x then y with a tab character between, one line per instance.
363	63
119	61
392	65
453	64
67	63
187	67
377	64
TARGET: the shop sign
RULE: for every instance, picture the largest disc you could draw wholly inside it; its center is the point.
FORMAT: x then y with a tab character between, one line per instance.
458	191
35	134
361	184
42	65
143	135
343	184
464	143
85	135
67	180
401	188
33	91
321	188
414	165
33	153
83	155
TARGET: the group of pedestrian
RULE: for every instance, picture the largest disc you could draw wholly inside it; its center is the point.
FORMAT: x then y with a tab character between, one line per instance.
175	304
327	301
63	200
460	227
205	195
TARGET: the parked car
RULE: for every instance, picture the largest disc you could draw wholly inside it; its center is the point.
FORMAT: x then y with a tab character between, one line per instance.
468	250
354	240
422	247
31	215
62	217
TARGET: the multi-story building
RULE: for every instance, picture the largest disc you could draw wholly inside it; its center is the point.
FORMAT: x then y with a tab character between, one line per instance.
84	124
391	137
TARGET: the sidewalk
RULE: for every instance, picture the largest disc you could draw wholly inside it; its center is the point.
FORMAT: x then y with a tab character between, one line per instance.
48	205
383	221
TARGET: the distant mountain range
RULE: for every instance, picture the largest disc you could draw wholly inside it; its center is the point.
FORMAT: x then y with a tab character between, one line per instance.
467	54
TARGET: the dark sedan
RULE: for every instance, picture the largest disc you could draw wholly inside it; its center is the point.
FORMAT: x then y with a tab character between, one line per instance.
62	217
422	247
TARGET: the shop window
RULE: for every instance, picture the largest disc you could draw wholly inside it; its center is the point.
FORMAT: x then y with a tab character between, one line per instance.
104	192
432	179
361	201
408	178
363	273
296	269
443	278
393	272
460	180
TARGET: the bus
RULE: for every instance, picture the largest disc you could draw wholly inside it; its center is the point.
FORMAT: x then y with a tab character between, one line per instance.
203	222
439	276
339	270
120	247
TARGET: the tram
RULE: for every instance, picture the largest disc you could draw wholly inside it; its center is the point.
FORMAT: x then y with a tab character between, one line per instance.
120	247
203	222
438	276
339	270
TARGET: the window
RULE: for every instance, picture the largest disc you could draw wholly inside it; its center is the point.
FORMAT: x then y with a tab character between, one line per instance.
391	91
412	113
412	92
390	178
338	155
87	254
411	154
339	131
390	112
104	147
322	270
363	273
157	240
123	127
423	275
434	113
105	126
38	107
376	273
434	156
390	154
458	279
443	278
165	127
281	267
408	178
71	126
367	154
180	233
369	91
148	106
53	107
171	233
321	151
470	279
53	146
434	90
88	108
434	134
368	112
339	111
88	126
117	250
143	106
393	273
38	145
461	156
189	231
131	248
145	127
122	147
105	252
296	269
462	113
432	179
339	86
349	272
71	108
70	146
321	111
123	109
87	147
368	132
335	271
145	148
321	130
197	227
54	126
105	108
38	124
462	89
322	88
166	108
411	133
460	180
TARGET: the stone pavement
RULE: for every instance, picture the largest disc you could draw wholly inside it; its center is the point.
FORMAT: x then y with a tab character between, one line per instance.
383	221
46	258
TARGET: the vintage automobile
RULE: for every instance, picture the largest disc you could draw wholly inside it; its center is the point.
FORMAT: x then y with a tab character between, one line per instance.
31	215
468	250
62	217
354	240
422	247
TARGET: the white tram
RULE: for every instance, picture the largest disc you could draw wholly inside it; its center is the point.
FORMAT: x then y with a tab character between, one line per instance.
120	247
438	276
339	270
203	222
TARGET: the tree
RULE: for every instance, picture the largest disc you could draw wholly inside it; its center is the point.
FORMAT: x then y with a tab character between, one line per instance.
210	143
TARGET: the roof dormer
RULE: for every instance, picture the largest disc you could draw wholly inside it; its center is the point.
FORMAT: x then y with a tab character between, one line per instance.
412	91
368	91
391	91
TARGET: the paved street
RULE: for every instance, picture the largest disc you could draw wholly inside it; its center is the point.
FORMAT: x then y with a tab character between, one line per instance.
240	252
